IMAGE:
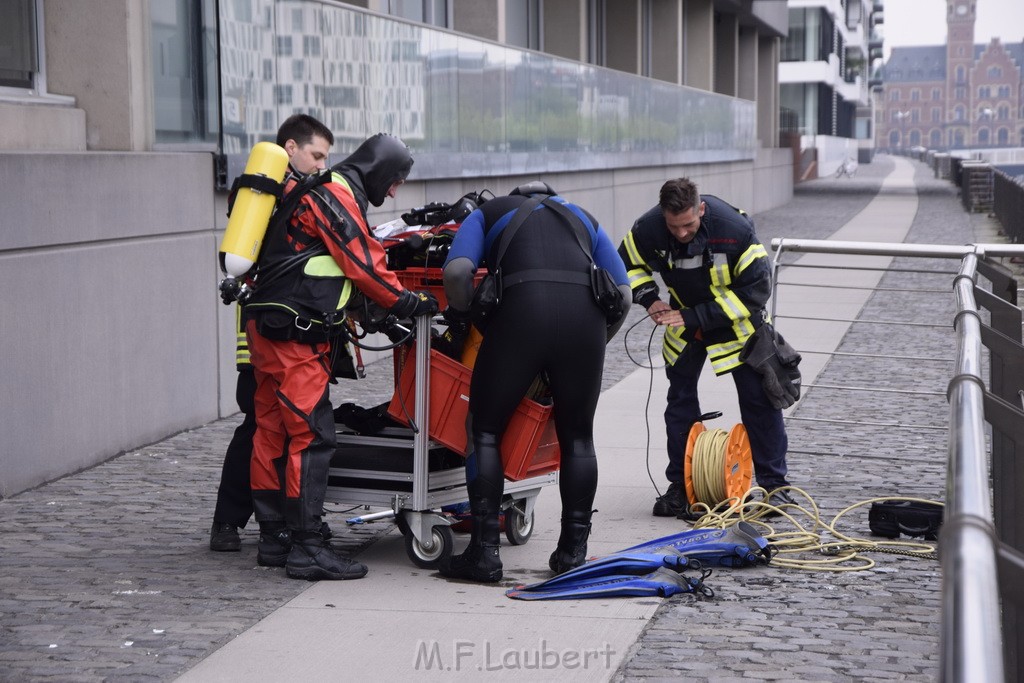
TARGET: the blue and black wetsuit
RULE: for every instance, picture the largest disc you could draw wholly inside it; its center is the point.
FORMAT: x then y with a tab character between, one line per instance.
549	327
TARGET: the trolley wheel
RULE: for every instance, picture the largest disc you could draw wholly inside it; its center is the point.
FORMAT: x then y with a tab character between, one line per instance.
518	527
429	555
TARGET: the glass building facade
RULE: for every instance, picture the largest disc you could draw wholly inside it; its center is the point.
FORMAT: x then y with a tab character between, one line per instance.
466	106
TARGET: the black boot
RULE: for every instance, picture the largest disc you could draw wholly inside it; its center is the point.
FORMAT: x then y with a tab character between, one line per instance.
224	537
274	545
571	551
313	559
481	561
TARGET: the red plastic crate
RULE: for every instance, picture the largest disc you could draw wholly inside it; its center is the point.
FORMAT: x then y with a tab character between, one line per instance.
430	280
529	446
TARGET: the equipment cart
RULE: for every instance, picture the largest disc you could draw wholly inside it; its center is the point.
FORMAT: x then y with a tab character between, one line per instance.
412	475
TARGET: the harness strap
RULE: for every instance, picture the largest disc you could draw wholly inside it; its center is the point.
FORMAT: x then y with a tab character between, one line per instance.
260	183
546	275
284	212
520	216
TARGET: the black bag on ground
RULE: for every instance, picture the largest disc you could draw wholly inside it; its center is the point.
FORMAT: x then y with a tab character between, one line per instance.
891	518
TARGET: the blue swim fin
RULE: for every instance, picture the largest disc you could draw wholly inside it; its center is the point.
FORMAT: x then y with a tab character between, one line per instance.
619	564
736	546
662	582
656	567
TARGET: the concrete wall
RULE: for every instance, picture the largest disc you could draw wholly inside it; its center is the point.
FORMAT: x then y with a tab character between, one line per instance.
108	273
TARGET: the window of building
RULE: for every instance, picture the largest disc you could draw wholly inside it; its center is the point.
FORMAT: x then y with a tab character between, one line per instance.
936	115
23	53
936	94
894	96
1003	137
523	23
811	36
995	72
1004	91
645	37
19	55
936	138
915	95
596	32
960	92
826	36
310	46
1003	112
283	93
958	113
433	12
983	136
983	92
185	71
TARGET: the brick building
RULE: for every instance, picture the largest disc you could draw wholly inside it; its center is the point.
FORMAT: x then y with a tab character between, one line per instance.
953	96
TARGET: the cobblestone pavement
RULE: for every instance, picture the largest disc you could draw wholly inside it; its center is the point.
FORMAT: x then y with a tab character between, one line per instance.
105	575
878	624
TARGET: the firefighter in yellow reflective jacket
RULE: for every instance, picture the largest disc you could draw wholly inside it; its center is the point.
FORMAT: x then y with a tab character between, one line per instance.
718	277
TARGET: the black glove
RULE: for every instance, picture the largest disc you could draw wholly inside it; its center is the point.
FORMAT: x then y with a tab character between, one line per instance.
458	321
411	304
453	340
781	383
426	304
229	288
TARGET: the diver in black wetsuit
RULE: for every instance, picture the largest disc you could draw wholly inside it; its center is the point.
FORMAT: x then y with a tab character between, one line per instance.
541	325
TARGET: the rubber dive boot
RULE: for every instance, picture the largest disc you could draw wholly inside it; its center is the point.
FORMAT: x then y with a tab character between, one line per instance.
274	545
481	561
313	559
571	551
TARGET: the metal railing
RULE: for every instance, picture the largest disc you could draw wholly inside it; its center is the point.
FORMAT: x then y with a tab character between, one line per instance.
982	537
1008	205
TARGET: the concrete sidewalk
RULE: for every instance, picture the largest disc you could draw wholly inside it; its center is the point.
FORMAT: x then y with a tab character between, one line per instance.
105	575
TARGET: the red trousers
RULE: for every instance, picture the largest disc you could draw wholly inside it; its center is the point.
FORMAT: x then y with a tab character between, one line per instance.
295	433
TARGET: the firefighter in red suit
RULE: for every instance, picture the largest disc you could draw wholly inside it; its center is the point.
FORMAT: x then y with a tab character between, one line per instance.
307	269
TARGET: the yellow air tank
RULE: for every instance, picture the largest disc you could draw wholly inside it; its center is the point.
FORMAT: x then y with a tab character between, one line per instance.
251	212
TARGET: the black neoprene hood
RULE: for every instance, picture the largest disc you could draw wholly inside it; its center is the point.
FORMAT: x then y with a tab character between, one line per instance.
381	161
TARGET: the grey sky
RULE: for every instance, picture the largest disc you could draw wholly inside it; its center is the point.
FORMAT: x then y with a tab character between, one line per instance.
923	22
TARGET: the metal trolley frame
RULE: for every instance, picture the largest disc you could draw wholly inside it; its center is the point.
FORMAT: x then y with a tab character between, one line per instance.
428	534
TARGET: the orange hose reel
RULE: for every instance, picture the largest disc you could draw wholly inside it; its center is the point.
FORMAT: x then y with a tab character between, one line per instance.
737	464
